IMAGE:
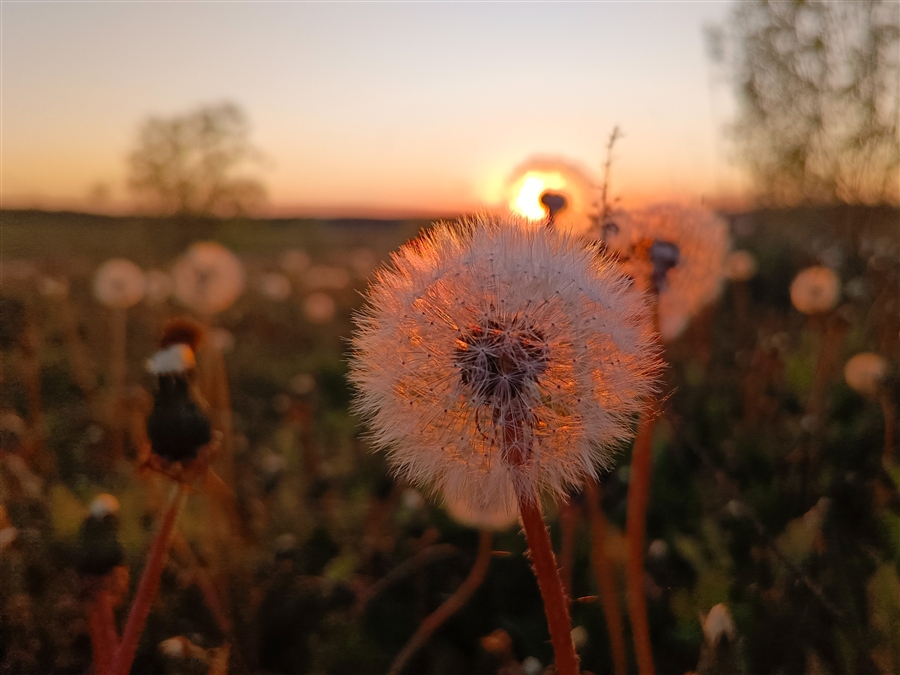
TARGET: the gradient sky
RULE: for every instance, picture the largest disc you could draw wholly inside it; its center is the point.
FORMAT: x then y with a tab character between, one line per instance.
368	107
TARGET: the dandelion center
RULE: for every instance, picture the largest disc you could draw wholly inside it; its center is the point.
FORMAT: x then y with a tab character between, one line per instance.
498	359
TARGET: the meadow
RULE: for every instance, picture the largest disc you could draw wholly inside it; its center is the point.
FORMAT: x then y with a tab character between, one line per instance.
774	486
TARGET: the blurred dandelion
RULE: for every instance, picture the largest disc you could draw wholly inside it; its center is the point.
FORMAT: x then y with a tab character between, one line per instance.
275	286
740	266
159	286
208	278
326	277
119	284
519	357
815	290
319	308
867	374
295	261
677	252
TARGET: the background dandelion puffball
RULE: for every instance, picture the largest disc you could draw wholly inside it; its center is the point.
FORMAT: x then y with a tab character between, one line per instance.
815	290
119	284
488	325
208	278
701	239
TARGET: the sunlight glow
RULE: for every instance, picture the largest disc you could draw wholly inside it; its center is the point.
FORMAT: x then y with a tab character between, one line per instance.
526	199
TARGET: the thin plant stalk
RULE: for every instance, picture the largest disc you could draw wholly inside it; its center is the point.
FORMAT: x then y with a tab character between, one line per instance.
556	604
890	419
118	370
450	606
102	646
148	586
635	525
82	370
606	583
29	350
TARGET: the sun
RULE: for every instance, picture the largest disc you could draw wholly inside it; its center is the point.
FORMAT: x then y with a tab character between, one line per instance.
526	199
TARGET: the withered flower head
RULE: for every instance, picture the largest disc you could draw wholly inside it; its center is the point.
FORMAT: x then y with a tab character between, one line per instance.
495	358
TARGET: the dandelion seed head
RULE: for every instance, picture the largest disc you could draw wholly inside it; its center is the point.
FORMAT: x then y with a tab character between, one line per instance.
815	290
740	266
865	373
676	251
208	278
498	519
494	358
119	283
104	505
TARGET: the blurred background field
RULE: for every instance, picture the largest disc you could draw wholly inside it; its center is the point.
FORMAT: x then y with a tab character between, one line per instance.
802	547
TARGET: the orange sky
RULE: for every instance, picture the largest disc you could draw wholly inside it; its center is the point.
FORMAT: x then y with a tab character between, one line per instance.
381	109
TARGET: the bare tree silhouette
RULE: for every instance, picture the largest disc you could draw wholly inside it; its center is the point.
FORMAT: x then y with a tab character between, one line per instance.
819	98
189	164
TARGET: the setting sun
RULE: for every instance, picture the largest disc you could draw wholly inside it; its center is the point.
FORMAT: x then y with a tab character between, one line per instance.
527	193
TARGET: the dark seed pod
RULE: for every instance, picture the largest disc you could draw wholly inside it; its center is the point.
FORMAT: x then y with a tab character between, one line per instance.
99	550
178	425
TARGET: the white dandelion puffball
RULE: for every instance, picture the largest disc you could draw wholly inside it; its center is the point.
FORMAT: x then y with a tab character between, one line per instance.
495	359
319	308
208	278
740	266
865	373
295	261
119	283
159	286
678	252
498	519
275	286
815	290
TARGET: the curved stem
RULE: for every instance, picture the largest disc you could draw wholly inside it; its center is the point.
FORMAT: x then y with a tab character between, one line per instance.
149	585
556	604
450	606
606	582
638	496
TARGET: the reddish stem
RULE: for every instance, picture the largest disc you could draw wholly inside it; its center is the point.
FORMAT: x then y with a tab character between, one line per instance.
556	604
450	606
638	497
148	586
100	645
606	582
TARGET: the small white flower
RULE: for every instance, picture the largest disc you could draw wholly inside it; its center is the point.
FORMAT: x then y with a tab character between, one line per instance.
496	359
676	251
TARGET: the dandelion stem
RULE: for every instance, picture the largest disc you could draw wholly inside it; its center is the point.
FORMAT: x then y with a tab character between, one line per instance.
556	605
101	644
890	413
638	497
606	582
450	606
149	584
